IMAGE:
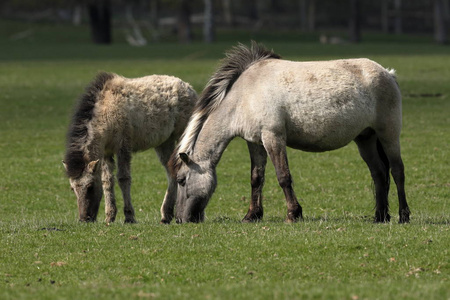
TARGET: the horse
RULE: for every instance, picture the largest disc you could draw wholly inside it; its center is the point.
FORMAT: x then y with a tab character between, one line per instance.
272	103
119	116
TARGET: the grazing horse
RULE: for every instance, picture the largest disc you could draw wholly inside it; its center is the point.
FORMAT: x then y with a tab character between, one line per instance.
118	116
273	103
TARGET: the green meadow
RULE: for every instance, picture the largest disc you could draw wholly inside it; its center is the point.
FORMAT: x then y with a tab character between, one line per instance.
336	252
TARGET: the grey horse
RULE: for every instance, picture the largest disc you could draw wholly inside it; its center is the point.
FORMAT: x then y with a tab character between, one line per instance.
273	103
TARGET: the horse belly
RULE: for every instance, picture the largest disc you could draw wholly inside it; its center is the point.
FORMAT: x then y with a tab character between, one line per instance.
150	130
313	142
328	126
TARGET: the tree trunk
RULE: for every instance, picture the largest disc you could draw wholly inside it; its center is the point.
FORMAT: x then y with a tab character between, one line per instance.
184	22
154	16
208	23
398	17
100	21
252	10
385	16
311	15
134	36
440	22
303	6
228	12
77	15
355	21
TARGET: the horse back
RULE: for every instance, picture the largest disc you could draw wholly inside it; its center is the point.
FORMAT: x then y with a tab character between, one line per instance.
317	106
144	112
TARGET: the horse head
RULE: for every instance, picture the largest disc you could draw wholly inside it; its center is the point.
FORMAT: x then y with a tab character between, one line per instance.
88	189
196	184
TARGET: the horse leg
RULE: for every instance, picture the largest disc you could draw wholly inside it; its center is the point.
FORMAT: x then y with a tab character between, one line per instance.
276	148
379	171
164	152
392	150
258	157
108	189
124	178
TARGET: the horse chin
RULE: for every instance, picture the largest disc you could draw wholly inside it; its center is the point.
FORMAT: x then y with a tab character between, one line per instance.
195	212
90	215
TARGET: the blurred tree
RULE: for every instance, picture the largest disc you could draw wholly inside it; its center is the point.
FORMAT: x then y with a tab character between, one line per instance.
228	12
311	15
154	16
184	22
208	22
100	21
398	27
252	9
134	35
303	15
440	21
355	21
385	15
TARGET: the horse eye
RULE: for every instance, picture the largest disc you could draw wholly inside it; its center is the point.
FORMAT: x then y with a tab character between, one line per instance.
181	181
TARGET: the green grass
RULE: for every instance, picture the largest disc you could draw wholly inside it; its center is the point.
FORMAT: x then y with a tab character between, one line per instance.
335	253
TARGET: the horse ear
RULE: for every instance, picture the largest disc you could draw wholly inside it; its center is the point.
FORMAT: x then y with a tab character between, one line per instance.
92	166
64	164
185	158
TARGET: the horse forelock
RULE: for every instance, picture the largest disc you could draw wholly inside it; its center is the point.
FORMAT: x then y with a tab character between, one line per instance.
236	61
78	132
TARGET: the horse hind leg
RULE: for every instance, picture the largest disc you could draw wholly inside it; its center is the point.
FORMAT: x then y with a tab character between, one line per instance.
391	148
108	189
164	152
276	148
258	157
124	178
379	170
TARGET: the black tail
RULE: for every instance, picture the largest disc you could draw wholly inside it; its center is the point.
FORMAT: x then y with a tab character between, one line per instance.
385	161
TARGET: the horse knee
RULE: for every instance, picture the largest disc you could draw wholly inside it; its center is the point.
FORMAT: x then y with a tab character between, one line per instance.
124	180
257	180
285	181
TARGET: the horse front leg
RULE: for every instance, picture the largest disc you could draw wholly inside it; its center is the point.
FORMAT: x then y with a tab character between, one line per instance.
108	189
124	178
276	148
167	208
258	157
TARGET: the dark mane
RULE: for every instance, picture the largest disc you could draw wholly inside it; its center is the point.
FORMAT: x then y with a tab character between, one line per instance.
78	131
237	60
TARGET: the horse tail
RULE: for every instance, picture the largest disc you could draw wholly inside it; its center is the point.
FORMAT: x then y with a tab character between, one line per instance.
386	164
237	60
78	129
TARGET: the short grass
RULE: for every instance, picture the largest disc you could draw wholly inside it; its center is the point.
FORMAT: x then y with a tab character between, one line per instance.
335	253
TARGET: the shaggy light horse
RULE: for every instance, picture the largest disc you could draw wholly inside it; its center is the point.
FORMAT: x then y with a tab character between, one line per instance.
274	103
118	116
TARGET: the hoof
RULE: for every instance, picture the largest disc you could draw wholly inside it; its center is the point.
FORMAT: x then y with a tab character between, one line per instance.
382	217
164	221
404	216
251	220
252	217
294	216
110	220
130	221
293	220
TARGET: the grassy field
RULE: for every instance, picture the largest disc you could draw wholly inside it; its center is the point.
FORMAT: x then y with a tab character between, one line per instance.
335	253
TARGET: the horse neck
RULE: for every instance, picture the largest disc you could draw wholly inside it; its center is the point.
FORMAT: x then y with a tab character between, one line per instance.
92	147
213	138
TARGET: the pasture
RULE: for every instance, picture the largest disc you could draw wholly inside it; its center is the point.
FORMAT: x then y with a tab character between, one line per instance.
337	252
